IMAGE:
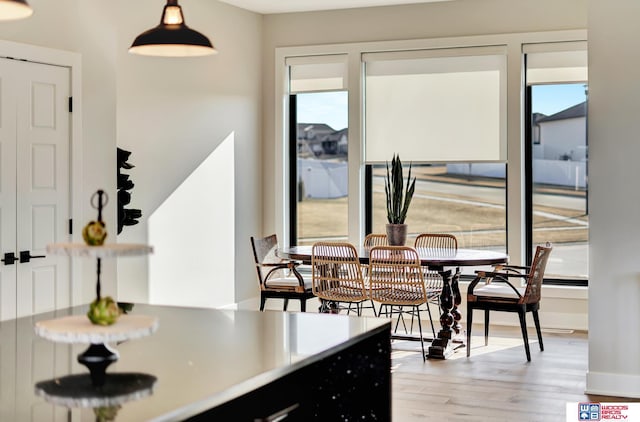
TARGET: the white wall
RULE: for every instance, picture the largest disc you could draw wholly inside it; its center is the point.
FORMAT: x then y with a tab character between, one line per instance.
195	260
172	115
614	282
85	27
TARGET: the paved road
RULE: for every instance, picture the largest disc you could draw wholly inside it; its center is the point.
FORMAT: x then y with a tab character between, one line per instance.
489	195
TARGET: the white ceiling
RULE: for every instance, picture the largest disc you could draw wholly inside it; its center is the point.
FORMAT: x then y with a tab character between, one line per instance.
286	6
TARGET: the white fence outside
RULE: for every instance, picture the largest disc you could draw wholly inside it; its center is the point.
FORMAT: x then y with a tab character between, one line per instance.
322	179
550	172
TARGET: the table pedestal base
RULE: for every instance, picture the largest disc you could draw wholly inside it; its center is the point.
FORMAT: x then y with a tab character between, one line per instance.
97	358
441	347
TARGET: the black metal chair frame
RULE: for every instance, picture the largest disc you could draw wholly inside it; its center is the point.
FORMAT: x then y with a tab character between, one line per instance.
279	292
520	304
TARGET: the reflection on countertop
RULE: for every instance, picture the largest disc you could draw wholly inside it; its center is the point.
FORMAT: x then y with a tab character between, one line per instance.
77	390
201	358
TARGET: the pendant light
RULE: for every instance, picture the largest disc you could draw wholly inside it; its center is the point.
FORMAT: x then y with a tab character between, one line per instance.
14	9
172	37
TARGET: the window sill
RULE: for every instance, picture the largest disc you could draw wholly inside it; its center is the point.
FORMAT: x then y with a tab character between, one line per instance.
555	292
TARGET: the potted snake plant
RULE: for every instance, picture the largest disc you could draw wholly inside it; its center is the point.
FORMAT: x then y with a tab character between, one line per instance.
398	200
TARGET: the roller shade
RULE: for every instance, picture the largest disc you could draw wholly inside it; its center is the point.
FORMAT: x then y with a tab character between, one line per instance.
317	73
436	105
556	62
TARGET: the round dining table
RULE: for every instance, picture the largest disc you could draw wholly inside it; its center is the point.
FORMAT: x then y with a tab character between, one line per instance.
447	263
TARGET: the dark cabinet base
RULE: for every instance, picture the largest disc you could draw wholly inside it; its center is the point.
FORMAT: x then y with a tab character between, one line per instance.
352	384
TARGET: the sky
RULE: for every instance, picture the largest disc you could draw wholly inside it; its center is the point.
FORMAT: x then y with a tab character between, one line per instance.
331	107
550	99
324	107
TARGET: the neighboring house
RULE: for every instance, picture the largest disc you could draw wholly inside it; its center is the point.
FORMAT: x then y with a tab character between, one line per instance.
321	140
322	166
336	143
561	135
310	137
535	128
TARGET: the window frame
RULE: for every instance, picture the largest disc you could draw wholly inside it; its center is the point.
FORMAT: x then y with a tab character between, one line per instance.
293	168
528	168
529	143
357	221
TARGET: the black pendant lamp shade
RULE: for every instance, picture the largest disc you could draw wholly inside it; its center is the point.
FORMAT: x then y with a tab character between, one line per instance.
172	38
14	9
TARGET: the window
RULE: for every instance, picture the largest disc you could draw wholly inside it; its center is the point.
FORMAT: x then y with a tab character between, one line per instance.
319	135
557	150
467	200
457	109
444	110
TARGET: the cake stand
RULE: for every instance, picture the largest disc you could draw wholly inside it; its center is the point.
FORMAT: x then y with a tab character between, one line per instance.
79	329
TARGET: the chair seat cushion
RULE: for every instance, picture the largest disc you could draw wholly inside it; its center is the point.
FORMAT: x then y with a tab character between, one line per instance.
500	290
286	282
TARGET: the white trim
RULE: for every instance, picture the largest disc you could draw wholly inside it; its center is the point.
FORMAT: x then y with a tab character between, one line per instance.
432	53
565	292
550	47
617	385
73	61
309	60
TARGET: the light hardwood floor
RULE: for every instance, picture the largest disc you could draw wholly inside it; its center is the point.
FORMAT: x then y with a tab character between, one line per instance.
496	383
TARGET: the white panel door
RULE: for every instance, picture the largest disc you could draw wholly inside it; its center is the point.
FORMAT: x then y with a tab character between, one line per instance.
37	113
8	187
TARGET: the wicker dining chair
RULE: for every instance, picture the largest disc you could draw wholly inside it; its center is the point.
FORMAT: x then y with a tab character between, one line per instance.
497	293
337	277
375	239
278	277
436	244
438	241
371	240
396	282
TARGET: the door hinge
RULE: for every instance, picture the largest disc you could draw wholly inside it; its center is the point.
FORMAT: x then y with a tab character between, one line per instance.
70	104
71	226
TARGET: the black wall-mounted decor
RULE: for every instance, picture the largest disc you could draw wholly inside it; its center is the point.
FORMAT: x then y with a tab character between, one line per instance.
126	216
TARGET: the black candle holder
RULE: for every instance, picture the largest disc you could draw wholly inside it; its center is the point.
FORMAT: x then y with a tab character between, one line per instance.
98	201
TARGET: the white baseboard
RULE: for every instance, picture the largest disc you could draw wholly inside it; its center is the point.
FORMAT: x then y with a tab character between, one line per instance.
609	384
